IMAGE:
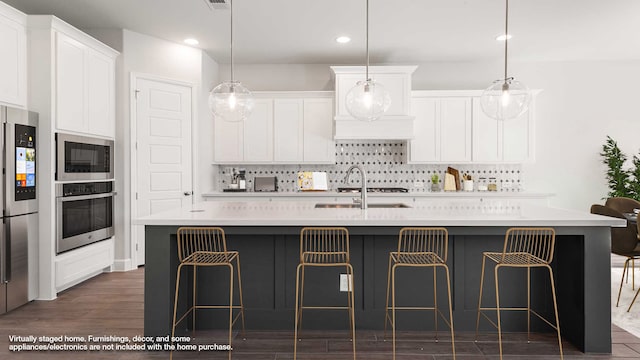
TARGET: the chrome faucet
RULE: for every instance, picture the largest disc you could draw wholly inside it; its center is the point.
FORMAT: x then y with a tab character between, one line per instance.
363	191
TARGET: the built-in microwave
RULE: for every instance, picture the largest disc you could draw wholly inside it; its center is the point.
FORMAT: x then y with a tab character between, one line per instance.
80	158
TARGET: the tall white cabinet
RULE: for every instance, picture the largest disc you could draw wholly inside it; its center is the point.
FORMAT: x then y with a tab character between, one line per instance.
72	87
284	128
13	61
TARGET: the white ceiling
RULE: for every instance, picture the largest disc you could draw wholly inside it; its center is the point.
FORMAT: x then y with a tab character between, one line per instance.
401	31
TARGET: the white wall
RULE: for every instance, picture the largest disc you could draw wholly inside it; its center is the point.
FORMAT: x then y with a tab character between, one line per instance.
204	174
581	103
143	54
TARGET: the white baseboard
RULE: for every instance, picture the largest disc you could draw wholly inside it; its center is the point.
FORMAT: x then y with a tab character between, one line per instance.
80	280
123	265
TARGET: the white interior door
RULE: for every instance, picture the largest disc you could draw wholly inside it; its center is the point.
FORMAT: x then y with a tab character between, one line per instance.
163	157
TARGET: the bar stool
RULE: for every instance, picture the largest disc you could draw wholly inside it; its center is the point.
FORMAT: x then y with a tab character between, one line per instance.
523	248
419	247
206	246
324	247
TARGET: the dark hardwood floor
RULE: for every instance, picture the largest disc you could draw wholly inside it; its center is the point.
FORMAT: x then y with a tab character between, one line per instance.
112	304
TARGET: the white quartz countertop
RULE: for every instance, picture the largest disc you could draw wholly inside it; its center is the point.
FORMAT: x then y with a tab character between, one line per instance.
426	212
426	194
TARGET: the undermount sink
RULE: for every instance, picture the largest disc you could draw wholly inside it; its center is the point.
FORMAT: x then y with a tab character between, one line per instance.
357	206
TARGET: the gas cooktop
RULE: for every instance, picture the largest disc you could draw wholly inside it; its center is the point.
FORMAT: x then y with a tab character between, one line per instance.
373	189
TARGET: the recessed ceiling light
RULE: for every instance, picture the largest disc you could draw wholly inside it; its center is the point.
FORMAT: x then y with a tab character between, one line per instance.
343	39
191	41
504	37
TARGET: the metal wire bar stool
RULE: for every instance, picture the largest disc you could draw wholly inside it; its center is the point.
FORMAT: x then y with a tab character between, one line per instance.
324	247
523	248
419	247
207	246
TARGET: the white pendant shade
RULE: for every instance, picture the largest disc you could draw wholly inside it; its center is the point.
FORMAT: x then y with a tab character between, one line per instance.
368	100
505	99
230	101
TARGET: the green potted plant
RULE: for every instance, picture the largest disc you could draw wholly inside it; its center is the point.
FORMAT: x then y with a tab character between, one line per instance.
634	184
435	182
617	177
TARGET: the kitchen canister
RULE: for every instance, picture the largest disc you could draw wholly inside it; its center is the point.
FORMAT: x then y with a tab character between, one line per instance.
467	185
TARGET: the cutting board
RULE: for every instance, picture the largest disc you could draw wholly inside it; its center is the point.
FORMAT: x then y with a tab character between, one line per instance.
449	182
312	181
456	176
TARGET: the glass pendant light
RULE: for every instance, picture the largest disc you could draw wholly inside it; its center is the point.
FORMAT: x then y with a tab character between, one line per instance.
368	100
505	98
230	101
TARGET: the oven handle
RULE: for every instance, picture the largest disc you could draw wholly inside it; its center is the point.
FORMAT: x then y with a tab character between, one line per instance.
86	197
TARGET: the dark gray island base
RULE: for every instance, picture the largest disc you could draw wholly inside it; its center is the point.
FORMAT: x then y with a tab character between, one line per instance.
269	256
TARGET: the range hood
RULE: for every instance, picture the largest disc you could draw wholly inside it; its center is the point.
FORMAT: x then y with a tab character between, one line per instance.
396	124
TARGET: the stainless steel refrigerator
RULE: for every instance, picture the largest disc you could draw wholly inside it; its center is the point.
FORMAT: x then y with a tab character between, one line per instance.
20	204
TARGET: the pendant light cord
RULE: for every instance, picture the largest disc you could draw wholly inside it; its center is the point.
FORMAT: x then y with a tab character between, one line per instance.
367	41
506	38
231	5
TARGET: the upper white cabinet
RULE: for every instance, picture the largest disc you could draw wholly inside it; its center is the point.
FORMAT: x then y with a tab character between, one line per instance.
81	71
100	90
70	93
228	141
442	127
257	133
284	127
509	141
13	62
249	141
397	122
85	87
318	146
288	121
450	127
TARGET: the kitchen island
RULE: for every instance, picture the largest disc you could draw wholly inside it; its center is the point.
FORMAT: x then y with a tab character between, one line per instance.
267	236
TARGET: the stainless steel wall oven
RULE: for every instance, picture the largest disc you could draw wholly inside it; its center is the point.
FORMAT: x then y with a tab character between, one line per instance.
84	213
80	158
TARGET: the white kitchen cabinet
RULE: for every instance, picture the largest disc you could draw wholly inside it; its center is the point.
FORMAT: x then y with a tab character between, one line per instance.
13	62
442	127
75	266
288	130
228	141
319	146
509	141
258	133
70	99
72	87
100	85
248	141
425	146
284	128
396	123
85	87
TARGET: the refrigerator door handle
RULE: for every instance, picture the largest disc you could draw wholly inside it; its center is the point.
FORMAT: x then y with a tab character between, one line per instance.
6	233
5	249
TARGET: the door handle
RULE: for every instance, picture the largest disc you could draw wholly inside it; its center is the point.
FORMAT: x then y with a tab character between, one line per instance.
188	193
